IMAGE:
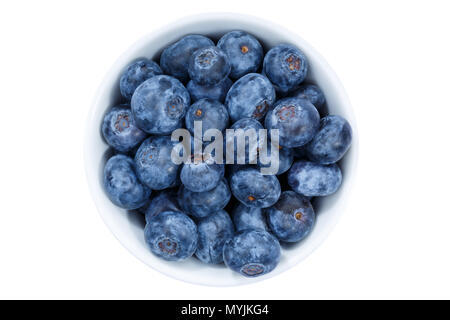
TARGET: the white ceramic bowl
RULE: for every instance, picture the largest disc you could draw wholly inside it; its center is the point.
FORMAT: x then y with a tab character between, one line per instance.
128	228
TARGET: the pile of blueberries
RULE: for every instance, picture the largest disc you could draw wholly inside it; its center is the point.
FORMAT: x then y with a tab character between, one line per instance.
233	84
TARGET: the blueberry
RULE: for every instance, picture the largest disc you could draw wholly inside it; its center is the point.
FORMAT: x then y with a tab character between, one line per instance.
211	113
121	184
135	74
213	232
312	179
217	92
201	175
252	253
165	200
172	236
291	218
253	189
159	104
244	52
175	58
154	165
285	158
331	142
285	66
119	129
208	66
251	149
250	97
202	204
249	218
297	120
313	94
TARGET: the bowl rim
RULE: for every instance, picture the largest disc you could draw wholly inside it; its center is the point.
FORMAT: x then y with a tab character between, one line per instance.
91	171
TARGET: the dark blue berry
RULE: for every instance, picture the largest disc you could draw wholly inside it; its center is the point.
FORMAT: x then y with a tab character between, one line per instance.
253	189
154	164
250	97
331	142
211	113
217	92
122	185
249	218
165	200
296	119
213	232
208	66
252	253
244	52
202	204
159	105
135	74
314	180
201	175
314	95
120	131
291	218
172	236
285	66
175	58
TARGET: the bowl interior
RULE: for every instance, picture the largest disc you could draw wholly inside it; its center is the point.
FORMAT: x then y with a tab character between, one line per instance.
128	227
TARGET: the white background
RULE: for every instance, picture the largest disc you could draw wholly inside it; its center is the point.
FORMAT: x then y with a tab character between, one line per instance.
393	58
